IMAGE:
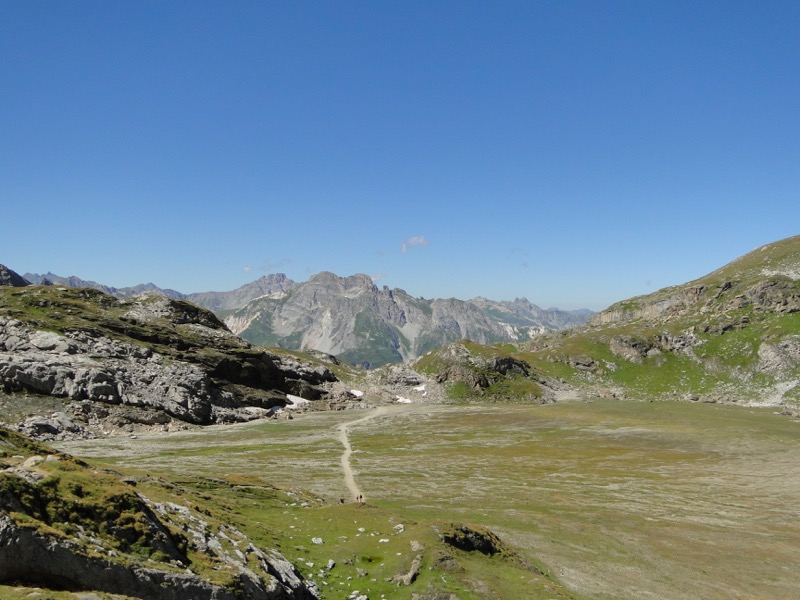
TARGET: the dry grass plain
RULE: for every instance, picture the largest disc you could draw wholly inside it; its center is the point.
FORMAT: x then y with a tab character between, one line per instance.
619	500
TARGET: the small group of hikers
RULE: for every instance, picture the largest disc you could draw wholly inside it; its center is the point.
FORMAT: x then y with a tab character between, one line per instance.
359	499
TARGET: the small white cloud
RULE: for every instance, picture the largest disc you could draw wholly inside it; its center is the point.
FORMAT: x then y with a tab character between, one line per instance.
247	268
417	240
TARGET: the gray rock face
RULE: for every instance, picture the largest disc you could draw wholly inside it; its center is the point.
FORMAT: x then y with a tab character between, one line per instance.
101	370
275	286
11	278
782	356
353	319
190	367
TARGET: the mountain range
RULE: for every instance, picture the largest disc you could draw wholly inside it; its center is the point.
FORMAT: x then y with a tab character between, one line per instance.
730	336
80	363
352	318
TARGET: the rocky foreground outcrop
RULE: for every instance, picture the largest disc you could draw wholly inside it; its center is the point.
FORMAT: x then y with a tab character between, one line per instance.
64	525
150	359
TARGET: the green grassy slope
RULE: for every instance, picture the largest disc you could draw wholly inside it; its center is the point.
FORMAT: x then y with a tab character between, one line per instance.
733	335
280	484
612	500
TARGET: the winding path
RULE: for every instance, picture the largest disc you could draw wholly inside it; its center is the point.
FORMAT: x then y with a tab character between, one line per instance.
347	470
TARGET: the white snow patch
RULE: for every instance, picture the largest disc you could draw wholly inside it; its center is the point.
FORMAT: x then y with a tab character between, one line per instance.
401	400
357	393
296	401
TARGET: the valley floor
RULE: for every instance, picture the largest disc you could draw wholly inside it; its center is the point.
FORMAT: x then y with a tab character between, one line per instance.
617	499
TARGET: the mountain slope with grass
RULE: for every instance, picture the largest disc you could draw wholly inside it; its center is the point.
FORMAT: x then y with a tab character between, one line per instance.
216	533
731	336
66	525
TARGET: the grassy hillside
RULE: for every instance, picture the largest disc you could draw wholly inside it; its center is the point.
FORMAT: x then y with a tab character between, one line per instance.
69	525
342	547
733	336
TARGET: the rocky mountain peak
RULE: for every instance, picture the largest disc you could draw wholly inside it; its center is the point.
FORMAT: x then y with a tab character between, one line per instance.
276	286
352	318
357	280
11	278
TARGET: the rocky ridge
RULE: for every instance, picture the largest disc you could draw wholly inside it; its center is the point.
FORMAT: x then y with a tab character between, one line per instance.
76	282
764	280
730	336
273	286
11	278
352	318
218	302
149	360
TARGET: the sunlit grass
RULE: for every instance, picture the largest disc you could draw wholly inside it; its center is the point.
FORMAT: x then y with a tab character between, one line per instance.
615	499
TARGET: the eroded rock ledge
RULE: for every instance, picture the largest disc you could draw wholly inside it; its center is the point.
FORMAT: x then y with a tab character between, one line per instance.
153	355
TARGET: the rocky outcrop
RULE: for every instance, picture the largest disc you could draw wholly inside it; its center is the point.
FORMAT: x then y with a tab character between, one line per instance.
93	532
632	349
411	575
49	561
778	296
457	364
782	356
154	355
472	539
11	278
80	367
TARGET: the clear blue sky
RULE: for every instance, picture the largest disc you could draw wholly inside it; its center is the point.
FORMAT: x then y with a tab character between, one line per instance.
575	153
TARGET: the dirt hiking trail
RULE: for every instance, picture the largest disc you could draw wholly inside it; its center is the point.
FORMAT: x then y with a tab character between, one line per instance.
347	470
